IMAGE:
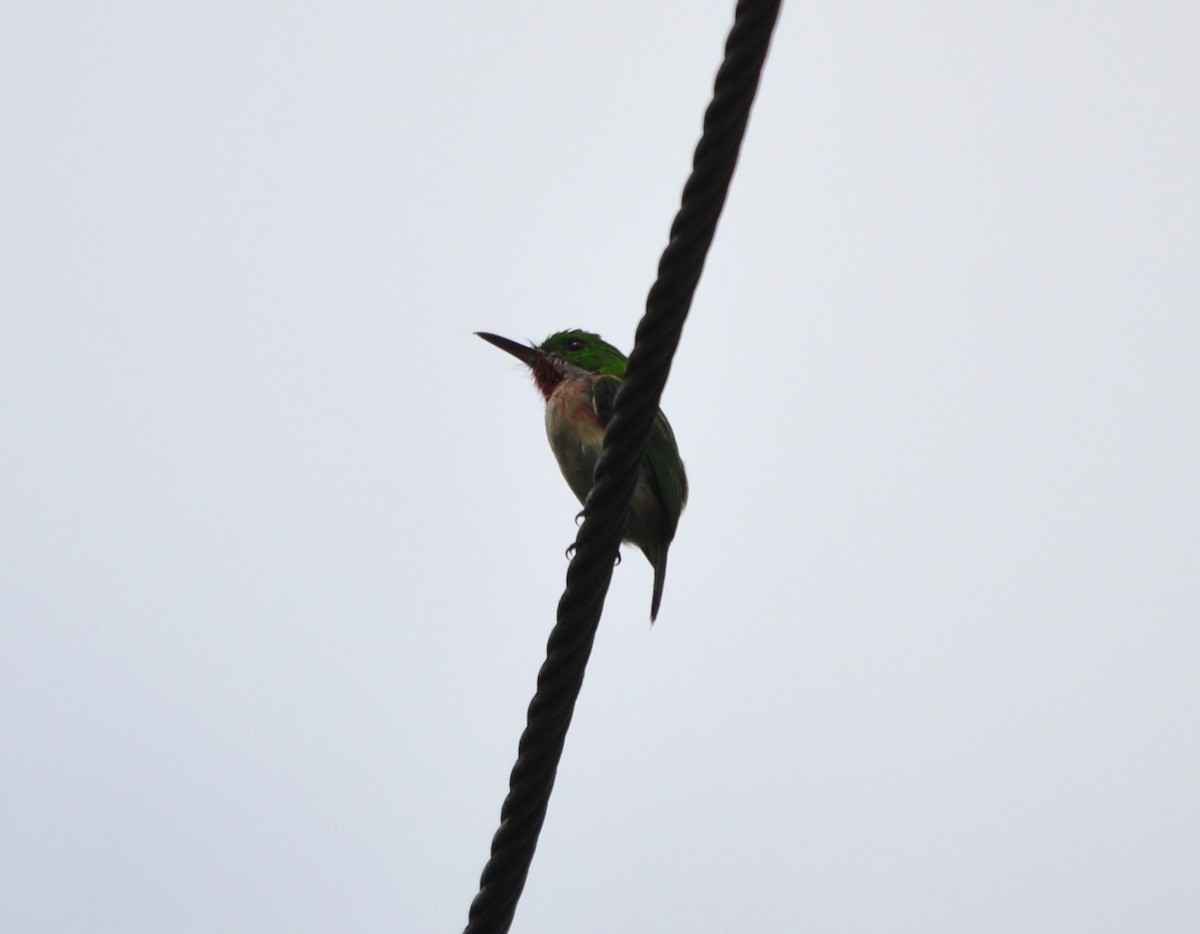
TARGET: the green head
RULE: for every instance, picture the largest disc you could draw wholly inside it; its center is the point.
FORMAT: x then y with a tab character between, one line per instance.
586	351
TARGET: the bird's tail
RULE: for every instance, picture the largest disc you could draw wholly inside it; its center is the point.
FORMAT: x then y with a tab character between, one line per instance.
660	575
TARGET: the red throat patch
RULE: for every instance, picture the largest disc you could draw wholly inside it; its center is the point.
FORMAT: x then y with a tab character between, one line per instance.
547	374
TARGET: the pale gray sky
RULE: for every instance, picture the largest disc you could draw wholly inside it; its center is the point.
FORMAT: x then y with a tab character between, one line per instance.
281	541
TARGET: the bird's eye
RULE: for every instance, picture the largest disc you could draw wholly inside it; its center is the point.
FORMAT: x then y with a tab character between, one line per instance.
575	345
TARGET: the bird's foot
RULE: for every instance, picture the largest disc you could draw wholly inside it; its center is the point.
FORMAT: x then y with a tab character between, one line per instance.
572	548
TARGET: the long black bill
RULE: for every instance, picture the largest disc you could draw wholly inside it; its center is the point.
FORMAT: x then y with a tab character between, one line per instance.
527	355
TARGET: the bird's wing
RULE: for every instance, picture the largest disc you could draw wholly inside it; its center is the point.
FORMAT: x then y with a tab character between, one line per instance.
604	397
662	455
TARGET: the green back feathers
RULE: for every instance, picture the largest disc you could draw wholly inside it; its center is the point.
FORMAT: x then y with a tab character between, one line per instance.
662	456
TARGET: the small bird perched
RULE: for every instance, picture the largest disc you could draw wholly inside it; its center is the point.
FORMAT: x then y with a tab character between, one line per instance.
579	374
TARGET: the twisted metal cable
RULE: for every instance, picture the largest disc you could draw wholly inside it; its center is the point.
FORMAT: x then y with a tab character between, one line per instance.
599	537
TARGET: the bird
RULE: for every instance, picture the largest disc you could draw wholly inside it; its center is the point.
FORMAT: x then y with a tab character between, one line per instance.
578	375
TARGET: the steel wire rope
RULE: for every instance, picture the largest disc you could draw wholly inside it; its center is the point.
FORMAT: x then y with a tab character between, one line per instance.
599	536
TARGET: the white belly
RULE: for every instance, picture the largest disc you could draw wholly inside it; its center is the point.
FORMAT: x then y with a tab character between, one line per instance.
574	433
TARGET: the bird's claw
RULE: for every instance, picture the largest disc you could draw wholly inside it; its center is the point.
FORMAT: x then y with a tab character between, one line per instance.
572	548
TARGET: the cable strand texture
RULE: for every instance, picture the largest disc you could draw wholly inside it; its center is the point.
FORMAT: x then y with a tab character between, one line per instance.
599	537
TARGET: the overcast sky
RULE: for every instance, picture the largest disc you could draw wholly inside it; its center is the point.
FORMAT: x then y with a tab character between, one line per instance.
281	541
